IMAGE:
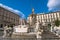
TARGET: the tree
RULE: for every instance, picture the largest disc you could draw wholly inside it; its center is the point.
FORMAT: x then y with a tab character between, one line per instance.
57	23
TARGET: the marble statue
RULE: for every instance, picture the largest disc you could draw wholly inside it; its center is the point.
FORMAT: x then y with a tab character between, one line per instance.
5	33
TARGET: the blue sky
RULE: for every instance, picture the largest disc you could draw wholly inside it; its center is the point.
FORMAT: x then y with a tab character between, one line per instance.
25	6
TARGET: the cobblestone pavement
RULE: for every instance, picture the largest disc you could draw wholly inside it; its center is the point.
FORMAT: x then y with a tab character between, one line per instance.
9	38
17	38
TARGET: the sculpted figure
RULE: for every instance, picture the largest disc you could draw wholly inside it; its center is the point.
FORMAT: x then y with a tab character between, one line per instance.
5	33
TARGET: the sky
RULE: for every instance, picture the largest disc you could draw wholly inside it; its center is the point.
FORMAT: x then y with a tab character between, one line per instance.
24	7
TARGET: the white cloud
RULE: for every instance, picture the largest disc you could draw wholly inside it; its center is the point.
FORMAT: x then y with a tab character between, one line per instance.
53	5
13	10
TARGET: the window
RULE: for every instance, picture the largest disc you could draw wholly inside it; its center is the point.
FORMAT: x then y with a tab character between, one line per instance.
1	25
5	13
1	12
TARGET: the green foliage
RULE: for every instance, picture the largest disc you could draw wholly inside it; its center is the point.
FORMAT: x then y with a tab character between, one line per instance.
57	23
49	26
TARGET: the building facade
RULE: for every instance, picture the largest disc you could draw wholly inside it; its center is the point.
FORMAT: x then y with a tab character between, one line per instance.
23	22
44	17
48	18
8	18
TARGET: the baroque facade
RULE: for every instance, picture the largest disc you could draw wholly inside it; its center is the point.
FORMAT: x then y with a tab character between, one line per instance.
8	18
48	18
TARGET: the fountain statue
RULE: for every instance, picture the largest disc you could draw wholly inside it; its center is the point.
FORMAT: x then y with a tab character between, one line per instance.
7	31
